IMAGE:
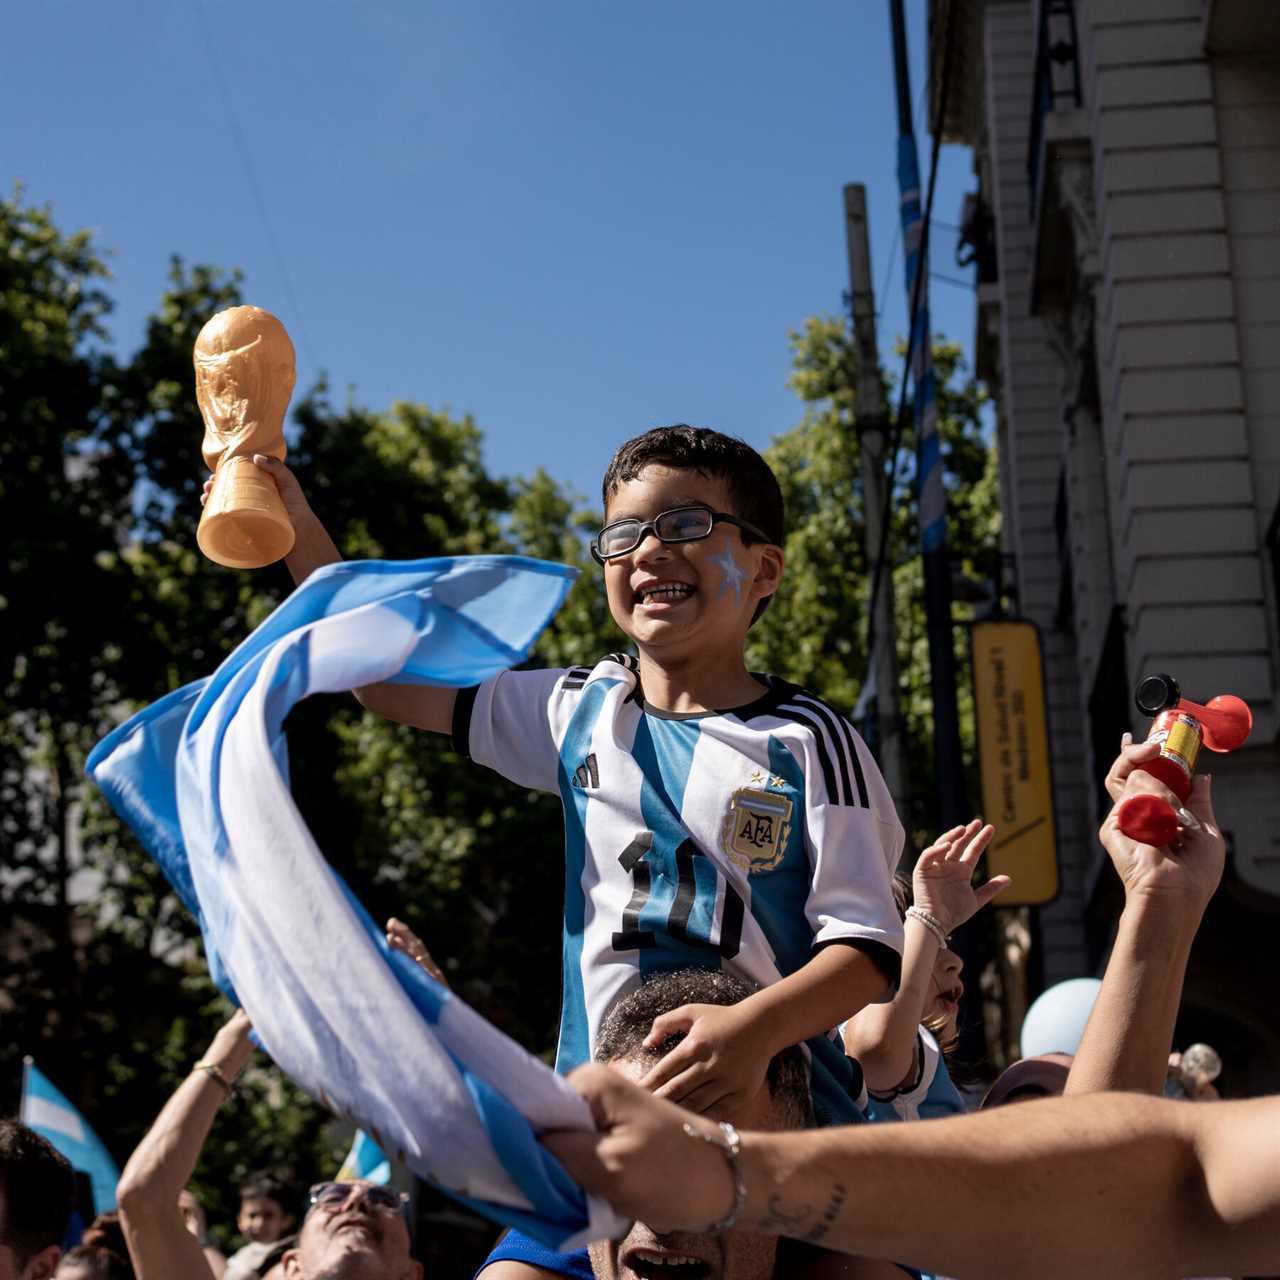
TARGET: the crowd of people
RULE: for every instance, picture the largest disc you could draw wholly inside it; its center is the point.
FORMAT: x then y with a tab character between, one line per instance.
757	1015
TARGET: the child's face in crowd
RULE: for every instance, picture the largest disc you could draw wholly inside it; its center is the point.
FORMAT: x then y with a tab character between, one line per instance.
945	991
261	1220
681	599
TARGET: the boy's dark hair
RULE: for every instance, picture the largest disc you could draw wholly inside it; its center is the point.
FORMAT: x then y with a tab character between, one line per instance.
37	1188
753	488
267	1184
625	1026
754	492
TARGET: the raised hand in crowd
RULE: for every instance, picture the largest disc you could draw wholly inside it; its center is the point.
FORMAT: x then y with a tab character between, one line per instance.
402	938
885	1038
1127	1040
160	1245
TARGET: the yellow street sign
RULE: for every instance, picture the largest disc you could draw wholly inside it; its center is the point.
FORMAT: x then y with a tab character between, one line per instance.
1013	759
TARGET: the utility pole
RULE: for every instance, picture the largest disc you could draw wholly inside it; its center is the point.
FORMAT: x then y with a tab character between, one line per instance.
872	428
952	804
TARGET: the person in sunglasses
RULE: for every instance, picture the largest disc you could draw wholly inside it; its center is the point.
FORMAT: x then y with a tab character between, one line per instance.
714	816
352	1230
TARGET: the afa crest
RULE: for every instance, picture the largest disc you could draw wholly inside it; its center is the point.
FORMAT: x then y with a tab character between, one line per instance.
754	832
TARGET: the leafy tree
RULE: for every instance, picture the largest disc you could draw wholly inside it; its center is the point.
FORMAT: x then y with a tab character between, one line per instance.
107	987
815	632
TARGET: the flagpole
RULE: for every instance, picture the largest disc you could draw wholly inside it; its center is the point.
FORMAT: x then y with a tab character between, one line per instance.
952	805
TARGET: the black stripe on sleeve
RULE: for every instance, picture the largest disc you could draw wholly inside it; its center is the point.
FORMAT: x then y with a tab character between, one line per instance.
844	734
798	715
828	718
577	677
460	731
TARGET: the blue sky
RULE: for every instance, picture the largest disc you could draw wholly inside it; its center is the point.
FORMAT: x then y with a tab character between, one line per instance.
574	220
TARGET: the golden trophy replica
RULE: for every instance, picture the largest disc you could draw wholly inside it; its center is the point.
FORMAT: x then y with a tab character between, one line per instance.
244	378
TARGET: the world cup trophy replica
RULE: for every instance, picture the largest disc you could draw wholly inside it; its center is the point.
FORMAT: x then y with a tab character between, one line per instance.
244	378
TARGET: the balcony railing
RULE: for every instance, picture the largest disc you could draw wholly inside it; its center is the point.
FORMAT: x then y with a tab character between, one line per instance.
1057	80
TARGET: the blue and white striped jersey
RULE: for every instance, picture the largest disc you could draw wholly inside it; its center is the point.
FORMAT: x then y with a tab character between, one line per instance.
741	839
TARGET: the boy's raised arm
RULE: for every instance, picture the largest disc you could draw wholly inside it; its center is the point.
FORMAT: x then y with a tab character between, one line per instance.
421	706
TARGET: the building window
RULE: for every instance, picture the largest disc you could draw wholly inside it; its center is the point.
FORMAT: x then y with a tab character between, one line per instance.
1057	79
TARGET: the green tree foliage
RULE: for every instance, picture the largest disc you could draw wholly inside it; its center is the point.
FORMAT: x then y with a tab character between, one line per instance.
100	475
815	632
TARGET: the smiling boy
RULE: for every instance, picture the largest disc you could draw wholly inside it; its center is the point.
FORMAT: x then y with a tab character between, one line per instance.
713	817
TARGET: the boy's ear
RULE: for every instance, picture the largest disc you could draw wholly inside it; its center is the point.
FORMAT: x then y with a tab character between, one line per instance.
768	575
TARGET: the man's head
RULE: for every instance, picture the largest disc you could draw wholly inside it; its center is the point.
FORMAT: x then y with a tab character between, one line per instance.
92	1262
264	1208
672	573
37	1192
352	1231
783	1104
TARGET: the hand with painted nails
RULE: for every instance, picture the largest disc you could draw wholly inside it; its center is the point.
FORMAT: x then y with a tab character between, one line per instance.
942	883
402	938
1187	870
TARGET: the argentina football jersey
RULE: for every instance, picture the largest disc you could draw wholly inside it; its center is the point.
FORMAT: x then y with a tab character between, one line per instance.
741	839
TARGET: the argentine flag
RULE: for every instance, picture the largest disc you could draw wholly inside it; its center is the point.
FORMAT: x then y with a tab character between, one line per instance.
203	778
46	1110
365	1162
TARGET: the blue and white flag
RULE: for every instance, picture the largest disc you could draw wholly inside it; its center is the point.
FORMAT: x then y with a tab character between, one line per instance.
46	1110
365	1162
202	776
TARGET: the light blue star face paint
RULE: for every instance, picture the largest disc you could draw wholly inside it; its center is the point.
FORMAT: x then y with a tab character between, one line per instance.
734	574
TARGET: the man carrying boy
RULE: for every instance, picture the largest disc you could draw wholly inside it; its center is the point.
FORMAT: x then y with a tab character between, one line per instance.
712	817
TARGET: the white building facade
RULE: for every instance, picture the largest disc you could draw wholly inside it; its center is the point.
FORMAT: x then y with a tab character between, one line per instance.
1127	231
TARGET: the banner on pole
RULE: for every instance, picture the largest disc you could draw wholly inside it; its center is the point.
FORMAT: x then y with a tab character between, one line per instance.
1013	756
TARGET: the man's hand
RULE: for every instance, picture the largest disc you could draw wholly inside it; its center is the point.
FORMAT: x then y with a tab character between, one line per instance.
640	1159
718	1067
1189	870
942	883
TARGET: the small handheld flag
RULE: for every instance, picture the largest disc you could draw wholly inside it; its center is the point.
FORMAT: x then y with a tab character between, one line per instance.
46	1110
365	1162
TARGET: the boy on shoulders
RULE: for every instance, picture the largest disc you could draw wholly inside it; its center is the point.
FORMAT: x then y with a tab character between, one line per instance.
713	817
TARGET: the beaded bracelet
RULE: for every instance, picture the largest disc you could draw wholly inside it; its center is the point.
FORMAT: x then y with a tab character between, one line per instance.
930	922
731	1145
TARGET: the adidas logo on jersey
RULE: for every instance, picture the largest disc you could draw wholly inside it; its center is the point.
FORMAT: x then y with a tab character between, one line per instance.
587	774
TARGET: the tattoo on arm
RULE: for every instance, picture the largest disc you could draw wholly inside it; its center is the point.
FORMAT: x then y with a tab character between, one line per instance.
786	1221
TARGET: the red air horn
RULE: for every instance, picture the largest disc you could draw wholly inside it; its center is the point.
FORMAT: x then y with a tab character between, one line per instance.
1222	724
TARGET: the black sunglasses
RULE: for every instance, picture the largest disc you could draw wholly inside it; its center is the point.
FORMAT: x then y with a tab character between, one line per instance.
680	524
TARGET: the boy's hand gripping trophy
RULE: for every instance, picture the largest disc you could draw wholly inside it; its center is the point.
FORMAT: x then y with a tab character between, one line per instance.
244	378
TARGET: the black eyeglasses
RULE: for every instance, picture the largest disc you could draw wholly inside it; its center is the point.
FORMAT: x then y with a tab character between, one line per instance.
680	524
333	1195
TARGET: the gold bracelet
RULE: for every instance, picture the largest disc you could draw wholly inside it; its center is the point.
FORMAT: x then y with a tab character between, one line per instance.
215	1072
